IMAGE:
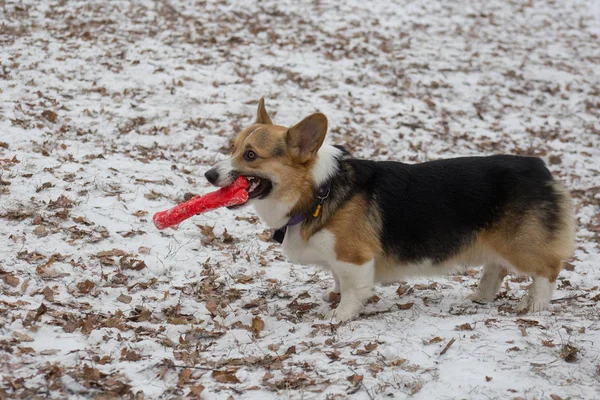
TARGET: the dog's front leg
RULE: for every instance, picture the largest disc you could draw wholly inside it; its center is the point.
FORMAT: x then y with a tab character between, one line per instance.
335	289
356	286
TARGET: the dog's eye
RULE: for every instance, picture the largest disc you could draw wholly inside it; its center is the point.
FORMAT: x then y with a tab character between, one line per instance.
249	155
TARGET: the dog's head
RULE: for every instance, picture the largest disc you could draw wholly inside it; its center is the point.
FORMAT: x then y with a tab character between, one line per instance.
279	162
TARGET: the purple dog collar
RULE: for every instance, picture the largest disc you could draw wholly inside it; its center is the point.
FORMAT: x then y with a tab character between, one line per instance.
279	234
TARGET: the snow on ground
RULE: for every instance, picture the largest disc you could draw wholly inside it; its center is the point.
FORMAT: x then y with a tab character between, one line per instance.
112	110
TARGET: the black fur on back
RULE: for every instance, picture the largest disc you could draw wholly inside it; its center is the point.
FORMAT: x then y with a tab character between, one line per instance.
431	210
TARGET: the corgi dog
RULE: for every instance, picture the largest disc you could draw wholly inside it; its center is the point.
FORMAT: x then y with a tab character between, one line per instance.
374	222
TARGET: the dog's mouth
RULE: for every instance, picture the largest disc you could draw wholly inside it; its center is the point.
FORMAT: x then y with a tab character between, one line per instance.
258	188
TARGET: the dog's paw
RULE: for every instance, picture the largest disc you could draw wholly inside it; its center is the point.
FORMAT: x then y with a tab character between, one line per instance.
331	296
481	297
528	304
343	312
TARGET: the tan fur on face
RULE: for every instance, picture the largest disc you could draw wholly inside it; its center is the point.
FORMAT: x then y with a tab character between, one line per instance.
291	179
285	156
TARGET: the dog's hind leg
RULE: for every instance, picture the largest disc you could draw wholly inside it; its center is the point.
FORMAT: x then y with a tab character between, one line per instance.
490	282
540	291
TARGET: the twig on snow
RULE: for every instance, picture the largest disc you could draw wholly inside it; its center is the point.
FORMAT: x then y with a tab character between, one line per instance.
569	298
450	343
183	366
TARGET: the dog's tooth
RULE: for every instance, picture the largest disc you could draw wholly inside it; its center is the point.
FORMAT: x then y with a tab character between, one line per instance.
253	186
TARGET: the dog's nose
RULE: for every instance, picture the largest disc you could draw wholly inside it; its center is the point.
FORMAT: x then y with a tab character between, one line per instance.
212	175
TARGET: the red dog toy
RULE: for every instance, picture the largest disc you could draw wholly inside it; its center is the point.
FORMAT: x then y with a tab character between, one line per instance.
232	195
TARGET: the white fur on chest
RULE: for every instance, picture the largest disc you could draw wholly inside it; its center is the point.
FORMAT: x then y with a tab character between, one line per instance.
319	249
272	213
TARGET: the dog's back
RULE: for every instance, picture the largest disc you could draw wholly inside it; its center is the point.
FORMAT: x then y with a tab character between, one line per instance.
433	210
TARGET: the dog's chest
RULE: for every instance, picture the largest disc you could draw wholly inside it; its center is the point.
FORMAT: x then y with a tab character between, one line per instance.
314	251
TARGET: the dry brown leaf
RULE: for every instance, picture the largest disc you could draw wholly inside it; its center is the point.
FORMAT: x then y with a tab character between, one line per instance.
61	202
144	250
10	279
244	279
24	286
255	303
131	263
48	294
405	306
42	309
370	346
374	299
398	362
527	322
85	286
568	266
301	308
334	355
211	306
140	314
569	353
184	376
265	236
224	377
83	221
26	350
87	326
90	373
355	379
464	327
40	231
402	290
267	376
257	326
274	347
105	360
431	286
375	369
49	115
334	297
23	337
227	238
130	355
123	298
177	321
196	390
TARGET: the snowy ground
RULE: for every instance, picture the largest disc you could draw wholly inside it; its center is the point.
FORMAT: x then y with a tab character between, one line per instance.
112	110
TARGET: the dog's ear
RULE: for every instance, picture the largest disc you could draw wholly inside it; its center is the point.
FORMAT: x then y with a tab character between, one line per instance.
306	137
261	114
